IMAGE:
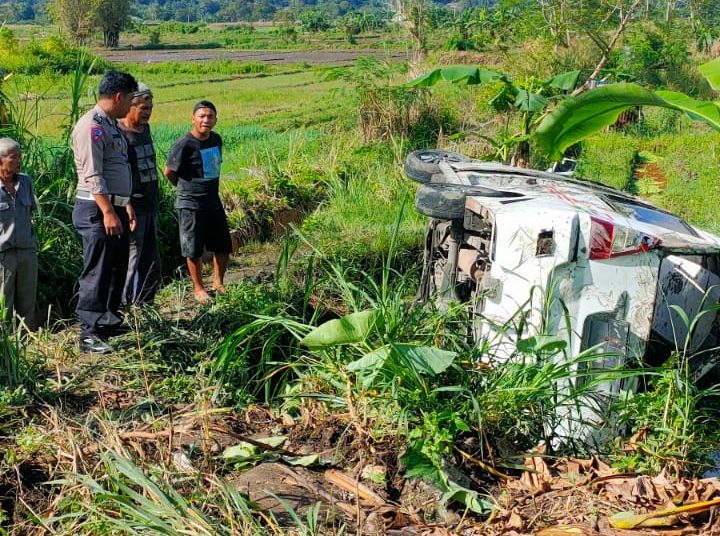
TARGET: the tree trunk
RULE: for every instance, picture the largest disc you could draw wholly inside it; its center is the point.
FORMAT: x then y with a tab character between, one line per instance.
111	38
521	156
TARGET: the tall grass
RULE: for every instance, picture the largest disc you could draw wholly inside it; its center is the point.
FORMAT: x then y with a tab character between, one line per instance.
125	500
16	370
412	373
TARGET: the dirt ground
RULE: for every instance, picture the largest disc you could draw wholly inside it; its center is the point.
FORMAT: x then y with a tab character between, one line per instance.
272	57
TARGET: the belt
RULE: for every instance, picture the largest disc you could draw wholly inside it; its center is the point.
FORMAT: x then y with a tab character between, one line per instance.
117	200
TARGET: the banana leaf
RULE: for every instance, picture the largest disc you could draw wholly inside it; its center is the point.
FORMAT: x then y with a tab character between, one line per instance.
456	74
565	81
711	71
578	117
660	518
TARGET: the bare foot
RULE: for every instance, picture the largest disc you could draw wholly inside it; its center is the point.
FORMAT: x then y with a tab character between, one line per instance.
201	296
220	289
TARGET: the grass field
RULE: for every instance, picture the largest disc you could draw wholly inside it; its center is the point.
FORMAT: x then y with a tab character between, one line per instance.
280	98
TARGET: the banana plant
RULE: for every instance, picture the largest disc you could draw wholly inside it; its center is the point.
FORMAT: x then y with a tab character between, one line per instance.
529	97
576	118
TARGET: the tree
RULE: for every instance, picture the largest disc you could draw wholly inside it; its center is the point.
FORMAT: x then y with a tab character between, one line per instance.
351	25
112	17
313	20
413	15
624	10
18	10
77	18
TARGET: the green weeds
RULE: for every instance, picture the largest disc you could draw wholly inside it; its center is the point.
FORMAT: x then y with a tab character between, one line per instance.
216	67
51	54
128	501
15	370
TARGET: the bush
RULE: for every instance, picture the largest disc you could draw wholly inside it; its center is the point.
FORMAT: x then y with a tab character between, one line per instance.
154	38
386	109
313	20
224	66
52	55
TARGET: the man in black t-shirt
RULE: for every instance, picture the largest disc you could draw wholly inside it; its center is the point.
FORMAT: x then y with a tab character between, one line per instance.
143	275
193	165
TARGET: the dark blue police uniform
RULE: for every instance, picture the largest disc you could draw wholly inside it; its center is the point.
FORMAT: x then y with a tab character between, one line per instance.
100	150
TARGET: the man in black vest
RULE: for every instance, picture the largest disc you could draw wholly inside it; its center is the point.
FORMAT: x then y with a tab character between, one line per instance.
143	275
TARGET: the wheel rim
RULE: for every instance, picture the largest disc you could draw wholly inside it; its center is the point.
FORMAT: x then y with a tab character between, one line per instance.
430	158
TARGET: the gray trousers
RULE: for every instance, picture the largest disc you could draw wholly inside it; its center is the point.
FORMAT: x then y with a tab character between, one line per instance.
143	275
18	283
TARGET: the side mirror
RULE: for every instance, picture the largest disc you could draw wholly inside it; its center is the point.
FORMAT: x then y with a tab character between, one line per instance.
566	167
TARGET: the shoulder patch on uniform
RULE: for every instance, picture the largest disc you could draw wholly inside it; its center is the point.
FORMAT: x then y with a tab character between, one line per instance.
96	132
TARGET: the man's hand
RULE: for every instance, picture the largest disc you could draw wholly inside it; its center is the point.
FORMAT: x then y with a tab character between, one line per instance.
113	225
131	216
111	222
171	175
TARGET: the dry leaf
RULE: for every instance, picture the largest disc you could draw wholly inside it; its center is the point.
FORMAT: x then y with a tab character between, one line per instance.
567	530
643	491
349	484
633	444
537	479
515	522
661	518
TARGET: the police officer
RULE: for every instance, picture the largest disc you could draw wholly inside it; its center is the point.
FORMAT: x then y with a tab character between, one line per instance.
103	215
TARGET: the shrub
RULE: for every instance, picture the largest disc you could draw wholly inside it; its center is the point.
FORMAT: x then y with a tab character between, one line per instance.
154	37
52	54
654	57
386	109
313	20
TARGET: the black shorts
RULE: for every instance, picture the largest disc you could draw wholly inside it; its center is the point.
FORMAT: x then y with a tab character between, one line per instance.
201	229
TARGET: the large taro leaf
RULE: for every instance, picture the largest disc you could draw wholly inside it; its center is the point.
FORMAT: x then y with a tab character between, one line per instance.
369	361
711	71
349	329
541	343
457	74
530	102
426	360
368	366
578	117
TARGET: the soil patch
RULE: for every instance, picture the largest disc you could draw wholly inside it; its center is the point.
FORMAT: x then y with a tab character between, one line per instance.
266	482
651	171
271	57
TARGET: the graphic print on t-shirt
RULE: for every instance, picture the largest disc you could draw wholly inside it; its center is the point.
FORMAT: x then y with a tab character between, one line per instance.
211	161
